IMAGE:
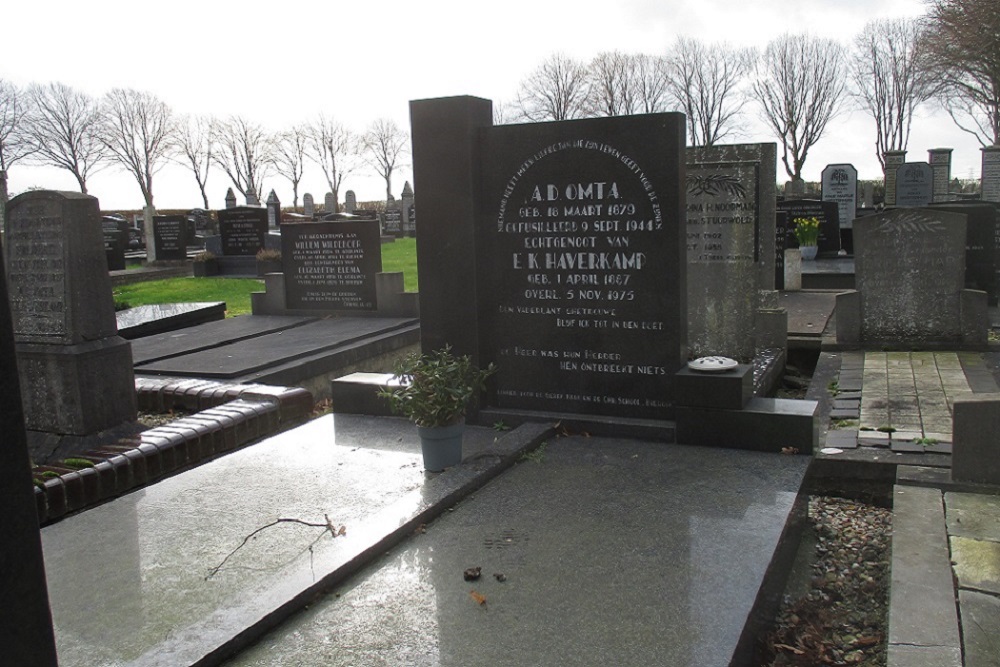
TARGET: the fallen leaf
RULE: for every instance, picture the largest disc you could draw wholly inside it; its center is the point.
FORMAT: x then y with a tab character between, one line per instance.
478	597
786	647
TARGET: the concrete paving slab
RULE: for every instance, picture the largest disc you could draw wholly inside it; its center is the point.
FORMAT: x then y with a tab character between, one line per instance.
977	564
130	581
980	620
269	349
614	552
923	621
973	515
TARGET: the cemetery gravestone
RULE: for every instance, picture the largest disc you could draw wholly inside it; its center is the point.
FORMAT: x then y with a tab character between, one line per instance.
582	264
722	209
331	265
329	203
308	206
409	221
910	273
392	222
991	174
273	210
840	185
982	245
940	162
780	236
115	239
893	160
25	617
828	214
230	198
170	237
914	185
251	198
75	371
243	230
350	202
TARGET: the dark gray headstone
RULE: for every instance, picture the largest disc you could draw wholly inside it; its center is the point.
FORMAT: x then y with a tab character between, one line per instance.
273	210
76	372
975	449
115	240
780	236
331	265
350	202
170	235
392	224
982	245
252	199
828	214
25	618
722	208
243	230
991	174
910	273
230	198
329	203
893	160
308	205
840	185
914	185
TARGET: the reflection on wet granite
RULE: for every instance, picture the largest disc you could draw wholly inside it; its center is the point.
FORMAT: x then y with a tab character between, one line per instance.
158	318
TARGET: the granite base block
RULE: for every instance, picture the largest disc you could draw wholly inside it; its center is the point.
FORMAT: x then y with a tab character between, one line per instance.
357	394
766	424
730	390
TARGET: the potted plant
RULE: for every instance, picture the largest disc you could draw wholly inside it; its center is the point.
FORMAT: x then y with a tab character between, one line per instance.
807	232
268	261
205	264
433	391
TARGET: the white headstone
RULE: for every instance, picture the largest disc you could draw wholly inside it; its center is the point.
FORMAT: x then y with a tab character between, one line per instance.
840	184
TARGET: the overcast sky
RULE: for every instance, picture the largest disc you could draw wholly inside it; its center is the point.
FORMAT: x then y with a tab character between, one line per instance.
284	63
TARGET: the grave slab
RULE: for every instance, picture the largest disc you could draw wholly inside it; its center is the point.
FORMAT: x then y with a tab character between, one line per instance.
977	564
693	533
973	515
262	351
980	619
159	318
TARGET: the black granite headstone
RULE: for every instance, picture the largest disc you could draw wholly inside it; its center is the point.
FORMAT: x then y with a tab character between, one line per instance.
780	238
829	222
582	264
393	225
243	230
170	235
982	248
114	247
331	265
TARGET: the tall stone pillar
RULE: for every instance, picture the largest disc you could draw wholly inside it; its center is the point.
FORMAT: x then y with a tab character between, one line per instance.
940	161
893	161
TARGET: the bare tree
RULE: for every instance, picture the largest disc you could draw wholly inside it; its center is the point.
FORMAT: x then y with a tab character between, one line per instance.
63	126
137	130
963	47
332	146
609	84
890	79
245	151
557	90
800	84
650	81
195	145
384	144
290	149
706	82
505	113
14	145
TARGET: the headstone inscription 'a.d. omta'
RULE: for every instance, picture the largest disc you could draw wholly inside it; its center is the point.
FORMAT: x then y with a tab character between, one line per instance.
579	263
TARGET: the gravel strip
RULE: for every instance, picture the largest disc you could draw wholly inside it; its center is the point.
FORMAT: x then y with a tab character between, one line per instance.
843	617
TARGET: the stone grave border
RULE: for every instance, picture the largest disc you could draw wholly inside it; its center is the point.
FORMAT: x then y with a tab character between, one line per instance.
225	417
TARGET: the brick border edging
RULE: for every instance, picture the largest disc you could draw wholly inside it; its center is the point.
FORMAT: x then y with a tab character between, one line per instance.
225	417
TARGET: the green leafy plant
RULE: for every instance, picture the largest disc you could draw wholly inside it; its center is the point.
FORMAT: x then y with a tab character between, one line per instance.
77	464
500	426
536	455
807	231
435	388
926	441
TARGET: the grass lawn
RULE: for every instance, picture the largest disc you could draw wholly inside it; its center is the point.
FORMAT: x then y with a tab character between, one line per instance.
398	256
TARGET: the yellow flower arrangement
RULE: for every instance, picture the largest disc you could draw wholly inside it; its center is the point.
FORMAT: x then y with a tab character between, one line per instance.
807	231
